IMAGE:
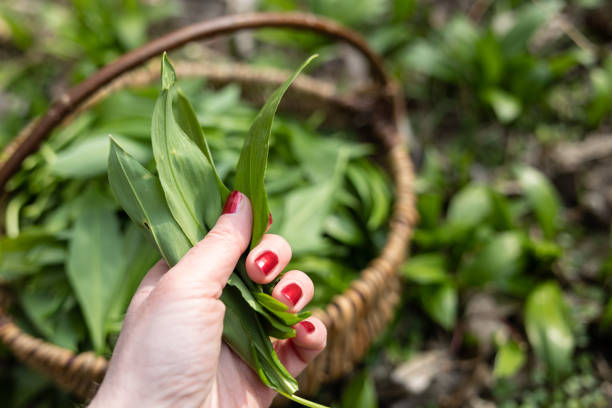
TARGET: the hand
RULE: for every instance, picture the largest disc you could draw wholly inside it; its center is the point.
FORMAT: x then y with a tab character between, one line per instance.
170	352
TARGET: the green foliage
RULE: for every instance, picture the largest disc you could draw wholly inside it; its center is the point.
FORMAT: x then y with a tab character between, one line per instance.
95	265
441	303
548	327
542	197
66	41
189	188
509	360
360	392
479	86
141	196
497	262
426	268
254	159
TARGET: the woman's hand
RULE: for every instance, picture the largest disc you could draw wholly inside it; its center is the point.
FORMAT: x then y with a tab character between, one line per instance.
170	352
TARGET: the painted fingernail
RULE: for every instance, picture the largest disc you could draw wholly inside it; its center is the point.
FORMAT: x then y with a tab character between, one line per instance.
266	262
231	204
309	327
292	292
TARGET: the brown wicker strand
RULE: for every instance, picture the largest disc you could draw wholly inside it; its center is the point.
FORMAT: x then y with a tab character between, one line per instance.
355	318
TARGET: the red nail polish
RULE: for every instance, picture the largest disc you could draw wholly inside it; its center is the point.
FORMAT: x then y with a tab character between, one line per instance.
269	219
292	292
231	204
308	326
266	262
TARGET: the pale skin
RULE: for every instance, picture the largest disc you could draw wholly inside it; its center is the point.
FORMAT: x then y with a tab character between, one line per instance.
170	352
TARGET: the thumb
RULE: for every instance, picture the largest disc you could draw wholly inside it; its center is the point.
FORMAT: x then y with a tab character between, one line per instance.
211	261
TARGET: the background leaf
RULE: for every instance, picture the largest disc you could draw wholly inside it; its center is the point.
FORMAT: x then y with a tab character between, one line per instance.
425	268
95	264
548	328
542	198
509	360
88	157
441	303
470	206
360	392
499	260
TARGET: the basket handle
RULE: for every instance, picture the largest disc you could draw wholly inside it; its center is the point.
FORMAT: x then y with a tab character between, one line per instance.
12	157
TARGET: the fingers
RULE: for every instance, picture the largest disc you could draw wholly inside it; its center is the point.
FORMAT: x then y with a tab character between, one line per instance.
210	262
310	340
268	259
295	289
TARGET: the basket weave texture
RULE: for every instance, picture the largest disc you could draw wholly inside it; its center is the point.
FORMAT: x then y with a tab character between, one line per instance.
354	318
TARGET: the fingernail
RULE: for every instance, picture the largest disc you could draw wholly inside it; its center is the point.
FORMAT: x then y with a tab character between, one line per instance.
292	292
269	221
266	262
309	327
231	204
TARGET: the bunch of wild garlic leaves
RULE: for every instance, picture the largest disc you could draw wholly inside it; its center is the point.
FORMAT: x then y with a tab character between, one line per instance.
73	260
178	207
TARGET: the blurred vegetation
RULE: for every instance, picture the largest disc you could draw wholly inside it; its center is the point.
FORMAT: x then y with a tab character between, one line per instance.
508	286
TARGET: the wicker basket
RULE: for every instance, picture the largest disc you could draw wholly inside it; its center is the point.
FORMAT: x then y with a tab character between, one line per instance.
354	318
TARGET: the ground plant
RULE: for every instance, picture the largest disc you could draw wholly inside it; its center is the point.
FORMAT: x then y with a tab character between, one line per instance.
506	295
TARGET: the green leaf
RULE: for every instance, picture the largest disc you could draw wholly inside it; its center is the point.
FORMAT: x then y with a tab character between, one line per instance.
140	256
342	226
429	206
307	209
12	215
381	196
548	328
600	104
28	253
506	106
88	157
502	217
244	334
427	58
528	19
42	299
542	197
440	303
360	392
188	120
168	76
606	317
185	174
141	196
470	206
497	262
253	160
351	12
280	310
279	328
544	251
95	263
489	58
509	360
425	268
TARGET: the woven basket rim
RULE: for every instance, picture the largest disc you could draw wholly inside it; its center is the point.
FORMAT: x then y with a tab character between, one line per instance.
374	293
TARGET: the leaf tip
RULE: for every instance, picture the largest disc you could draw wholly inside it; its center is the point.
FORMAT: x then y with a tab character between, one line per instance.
168	75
